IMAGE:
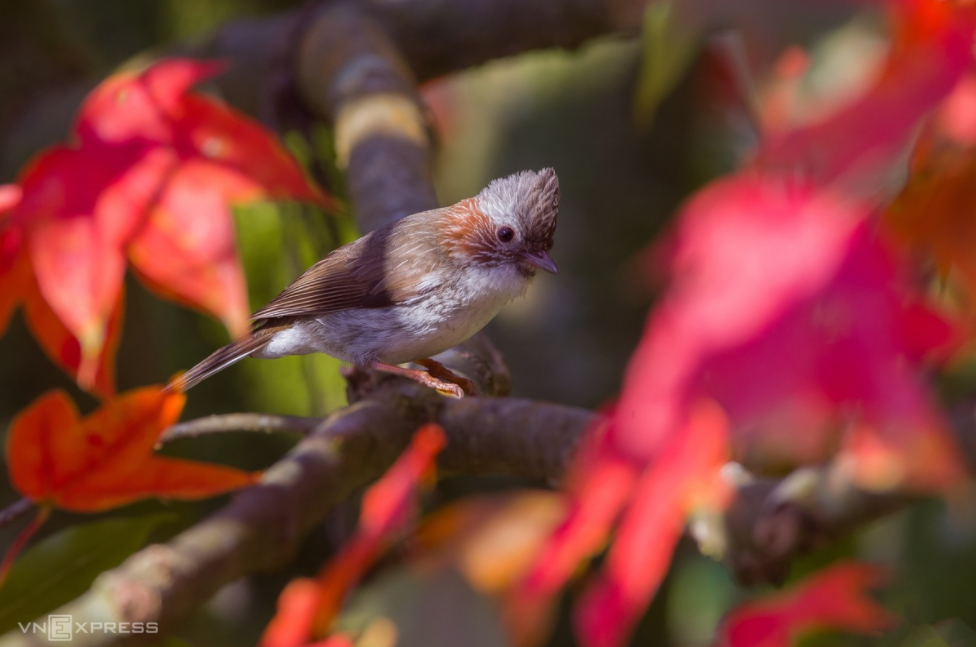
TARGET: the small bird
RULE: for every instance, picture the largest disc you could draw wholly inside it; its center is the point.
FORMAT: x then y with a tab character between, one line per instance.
411	289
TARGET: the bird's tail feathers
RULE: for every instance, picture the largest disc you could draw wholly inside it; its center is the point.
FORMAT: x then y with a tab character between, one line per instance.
221	359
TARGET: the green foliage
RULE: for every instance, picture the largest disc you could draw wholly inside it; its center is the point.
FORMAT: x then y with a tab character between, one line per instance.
669	42
700	592
63	566
277	243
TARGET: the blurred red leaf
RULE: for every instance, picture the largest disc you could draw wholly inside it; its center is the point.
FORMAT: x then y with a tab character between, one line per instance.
19	287
654	501
77	265
682	479
931	50
304	612
790	313
292	624
835	599
934	209
11	260
57	342
151	175
106	459
787	311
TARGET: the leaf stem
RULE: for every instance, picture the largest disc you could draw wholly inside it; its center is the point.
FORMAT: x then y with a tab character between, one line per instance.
8	560
15	511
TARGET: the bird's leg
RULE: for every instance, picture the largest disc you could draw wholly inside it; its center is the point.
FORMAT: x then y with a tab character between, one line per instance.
423	377
441	372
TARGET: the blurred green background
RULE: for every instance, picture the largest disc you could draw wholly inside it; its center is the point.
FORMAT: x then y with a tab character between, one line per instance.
568	341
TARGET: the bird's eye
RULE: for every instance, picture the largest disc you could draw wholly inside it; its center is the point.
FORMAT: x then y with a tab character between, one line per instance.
505	234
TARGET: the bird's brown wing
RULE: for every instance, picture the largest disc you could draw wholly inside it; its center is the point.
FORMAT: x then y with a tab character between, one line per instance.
386	267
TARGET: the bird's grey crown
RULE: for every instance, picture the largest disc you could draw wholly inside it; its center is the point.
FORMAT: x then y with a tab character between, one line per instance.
532	198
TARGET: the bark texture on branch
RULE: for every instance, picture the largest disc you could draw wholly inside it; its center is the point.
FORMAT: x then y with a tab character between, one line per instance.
263	526
433	37
350	72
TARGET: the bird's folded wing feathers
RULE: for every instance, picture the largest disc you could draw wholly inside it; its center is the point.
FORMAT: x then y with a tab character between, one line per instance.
362	274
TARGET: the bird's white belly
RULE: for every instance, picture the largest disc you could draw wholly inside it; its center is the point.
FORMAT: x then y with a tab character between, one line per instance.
405	332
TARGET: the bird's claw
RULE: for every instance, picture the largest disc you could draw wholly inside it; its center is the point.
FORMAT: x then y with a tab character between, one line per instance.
446	376
436	377
448	389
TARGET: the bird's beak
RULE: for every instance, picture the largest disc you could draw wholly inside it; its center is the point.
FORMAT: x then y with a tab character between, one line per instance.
542	260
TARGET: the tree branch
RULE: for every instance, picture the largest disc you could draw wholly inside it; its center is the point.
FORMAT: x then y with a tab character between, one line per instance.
433	37
263	526
769	523
350	73
237	422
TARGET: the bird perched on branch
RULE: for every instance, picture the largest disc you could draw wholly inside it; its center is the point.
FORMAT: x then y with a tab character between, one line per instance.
411	289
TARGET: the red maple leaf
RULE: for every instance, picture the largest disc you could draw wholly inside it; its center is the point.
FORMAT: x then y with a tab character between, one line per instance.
105	460
150	176
835	598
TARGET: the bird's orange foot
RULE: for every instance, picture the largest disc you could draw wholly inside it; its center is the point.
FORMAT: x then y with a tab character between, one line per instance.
441	372
444	387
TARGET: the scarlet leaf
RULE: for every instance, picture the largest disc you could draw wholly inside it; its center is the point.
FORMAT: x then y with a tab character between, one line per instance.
18	286
292	625
683	477
934	210
152	176
106	459
95	373
136	107
189	222
932	49
78	267
11	259
833	599
787	312
196	157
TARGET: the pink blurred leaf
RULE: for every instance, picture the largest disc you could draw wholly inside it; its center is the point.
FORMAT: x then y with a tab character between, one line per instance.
834	599
685	476
931	49
788	312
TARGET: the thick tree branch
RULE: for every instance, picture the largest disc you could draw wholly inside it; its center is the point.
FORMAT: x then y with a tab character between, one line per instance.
438	37
350	72
433	37
769	523
263	526
773	521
